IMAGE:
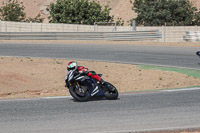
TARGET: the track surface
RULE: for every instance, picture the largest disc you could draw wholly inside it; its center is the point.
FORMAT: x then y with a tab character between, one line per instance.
157	55
133	112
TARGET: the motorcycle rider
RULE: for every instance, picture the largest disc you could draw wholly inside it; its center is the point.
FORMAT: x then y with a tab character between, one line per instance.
73	66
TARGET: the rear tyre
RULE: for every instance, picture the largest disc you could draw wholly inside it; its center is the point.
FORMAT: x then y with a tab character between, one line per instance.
80	96
111	93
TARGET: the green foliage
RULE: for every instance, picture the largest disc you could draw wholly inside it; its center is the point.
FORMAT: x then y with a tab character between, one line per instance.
197	18
14	11
78	12
120	22
171	12
37	19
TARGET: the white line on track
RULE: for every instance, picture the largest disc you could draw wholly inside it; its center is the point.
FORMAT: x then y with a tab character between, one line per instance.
60	97
184	89
28	99
169	129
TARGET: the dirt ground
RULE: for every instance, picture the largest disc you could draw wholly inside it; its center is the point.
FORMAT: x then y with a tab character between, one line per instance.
38	77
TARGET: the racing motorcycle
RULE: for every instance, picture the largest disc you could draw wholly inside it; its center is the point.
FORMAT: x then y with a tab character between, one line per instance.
83	88
198	53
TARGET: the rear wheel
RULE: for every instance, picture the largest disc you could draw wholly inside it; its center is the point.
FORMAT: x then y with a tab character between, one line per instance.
79	92
198	53
111	93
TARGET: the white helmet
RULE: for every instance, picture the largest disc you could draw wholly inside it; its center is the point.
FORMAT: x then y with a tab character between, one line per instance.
72	66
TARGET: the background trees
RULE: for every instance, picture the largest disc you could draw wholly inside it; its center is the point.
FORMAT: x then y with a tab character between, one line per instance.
14	11
78	12
150	12
63	11
173	12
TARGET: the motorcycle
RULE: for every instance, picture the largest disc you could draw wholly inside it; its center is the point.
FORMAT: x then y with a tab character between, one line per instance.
83	88
198	53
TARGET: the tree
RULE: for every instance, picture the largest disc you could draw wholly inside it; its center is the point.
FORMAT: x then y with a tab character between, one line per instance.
159	12
197	18
78	12
14	11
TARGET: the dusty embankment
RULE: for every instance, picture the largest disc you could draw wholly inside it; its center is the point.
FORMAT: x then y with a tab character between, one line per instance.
36	77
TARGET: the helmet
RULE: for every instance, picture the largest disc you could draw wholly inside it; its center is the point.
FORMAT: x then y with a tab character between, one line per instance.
72	66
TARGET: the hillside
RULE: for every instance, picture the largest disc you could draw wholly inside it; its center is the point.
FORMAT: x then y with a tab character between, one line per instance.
120	8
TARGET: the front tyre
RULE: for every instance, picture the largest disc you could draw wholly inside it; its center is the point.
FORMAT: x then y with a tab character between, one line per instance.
79	93
111	93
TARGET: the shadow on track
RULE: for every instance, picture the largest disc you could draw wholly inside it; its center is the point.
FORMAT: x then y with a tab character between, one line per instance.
95	99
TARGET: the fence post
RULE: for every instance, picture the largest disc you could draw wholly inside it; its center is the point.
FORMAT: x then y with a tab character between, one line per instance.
164	32
31	26
0	26
134	25
94	26
62	27
41	27
6	26
77	28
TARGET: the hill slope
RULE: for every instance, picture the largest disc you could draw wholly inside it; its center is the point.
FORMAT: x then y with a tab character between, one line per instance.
120	8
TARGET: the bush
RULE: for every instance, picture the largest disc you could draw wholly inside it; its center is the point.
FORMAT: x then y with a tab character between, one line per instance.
14	11
78	12
171	12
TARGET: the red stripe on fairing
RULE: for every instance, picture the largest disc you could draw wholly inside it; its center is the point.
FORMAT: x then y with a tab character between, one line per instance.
83	69
97	77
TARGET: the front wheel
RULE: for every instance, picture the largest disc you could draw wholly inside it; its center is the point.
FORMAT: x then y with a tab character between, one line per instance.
79	92
111	93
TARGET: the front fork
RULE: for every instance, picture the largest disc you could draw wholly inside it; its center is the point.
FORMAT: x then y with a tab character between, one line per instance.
79	88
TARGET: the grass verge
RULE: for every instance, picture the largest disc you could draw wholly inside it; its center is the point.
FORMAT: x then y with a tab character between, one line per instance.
189	72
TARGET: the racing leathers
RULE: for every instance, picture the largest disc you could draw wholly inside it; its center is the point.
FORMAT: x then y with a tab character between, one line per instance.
92	74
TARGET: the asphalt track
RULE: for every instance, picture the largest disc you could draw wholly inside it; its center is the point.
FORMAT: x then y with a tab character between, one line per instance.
155	55
143	111
133	112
